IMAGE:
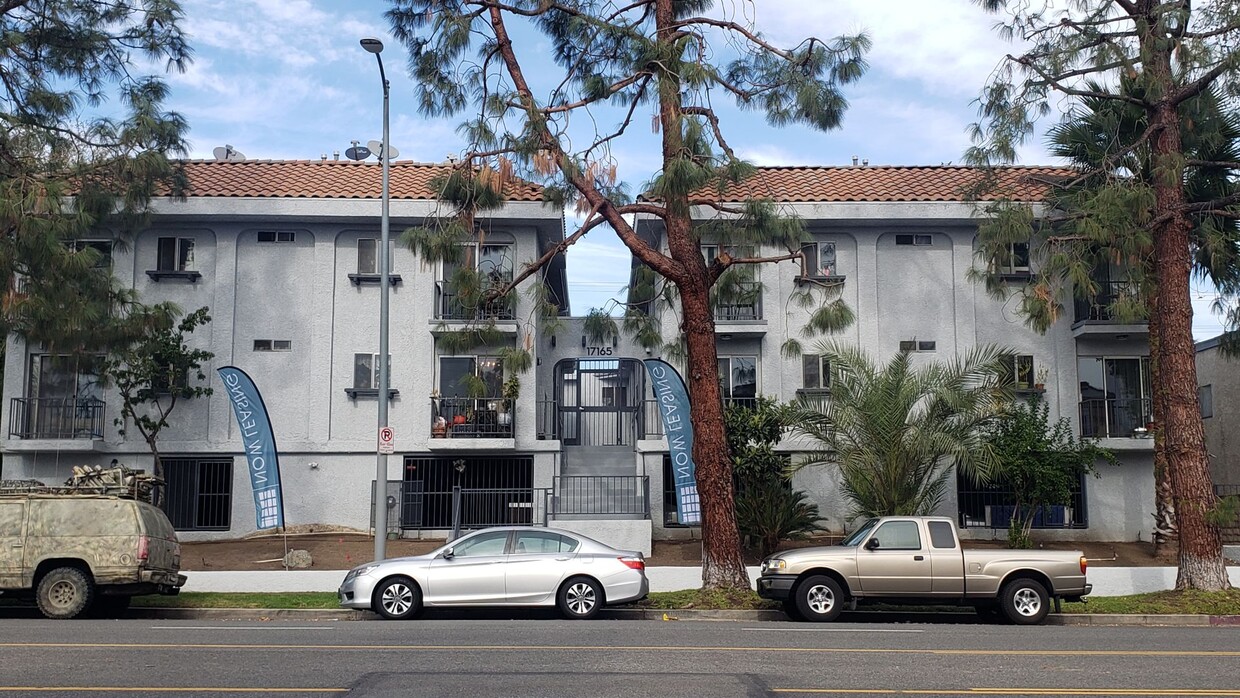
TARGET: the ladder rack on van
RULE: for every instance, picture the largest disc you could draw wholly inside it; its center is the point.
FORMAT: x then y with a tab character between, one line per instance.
115	481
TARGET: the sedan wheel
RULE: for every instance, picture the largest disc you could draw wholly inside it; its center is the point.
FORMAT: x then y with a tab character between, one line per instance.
819	598
580	598
397	599
1024	601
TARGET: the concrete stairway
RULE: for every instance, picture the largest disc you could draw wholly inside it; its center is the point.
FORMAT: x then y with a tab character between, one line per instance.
598	482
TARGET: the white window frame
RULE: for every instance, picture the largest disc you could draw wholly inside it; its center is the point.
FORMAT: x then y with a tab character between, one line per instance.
277	236
182	254
757	377
1006	262
811	264
917	239
824	372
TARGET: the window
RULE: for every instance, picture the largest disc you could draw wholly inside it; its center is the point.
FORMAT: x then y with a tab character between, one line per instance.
941	535
366	371
175	254
1020	371
277	236
1205	395
541	542
819	260
815	372
64	399
738	378
1115	395
615	396
273	345
101	247
913	345
368	256
919	240
493	265
199	493
898	535
1014	261
481	545
457	374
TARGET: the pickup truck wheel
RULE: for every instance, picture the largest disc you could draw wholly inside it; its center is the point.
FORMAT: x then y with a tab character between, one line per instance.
819	599
65	592
1024	601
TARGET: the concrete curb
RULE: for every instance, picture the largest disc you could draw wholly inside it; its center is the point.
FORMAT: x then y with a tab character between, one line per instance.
1066	619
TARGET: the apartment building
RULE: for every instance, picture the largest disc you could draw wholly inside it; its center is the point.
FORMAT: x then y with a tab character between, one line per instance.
900	242
1219	379
285	256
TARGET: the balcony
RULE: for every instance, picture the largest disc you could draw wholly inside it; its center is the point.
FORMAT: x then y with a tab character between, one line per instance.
471	418
1093	317
741	314
1115	418
56	418
448	306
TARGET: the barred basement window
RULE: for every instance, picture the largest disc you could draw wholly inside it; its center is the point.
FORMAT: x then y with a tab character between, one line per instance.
199	493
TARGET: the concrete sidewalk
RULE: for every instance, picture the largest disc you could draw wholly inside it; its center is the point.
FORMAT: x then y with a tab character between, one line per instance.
1107	581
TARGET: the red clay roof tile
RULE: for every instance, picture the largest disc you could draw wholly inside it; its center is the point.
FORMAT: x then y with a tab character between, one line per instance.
332	179
890	184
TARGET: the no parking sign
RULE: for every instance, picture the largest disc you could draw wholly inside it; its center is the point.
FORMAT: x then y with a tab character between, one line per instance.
386	440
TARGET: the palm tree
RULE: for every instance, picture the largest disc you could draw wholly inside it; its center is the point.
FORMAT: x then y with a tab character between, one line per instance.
895	431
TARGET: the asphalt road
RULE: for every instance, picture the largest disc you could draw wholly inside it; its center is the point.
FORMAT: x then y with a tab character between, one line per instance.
480	657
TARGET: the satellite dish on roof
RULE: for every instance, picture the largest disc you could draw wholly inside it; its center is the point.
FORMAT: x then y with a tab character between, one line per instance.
227	154
357	152
376	147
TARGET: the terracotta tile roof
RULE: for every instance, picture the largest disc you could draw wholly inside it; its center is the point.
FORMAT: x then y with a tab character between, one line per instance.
332	179
878	183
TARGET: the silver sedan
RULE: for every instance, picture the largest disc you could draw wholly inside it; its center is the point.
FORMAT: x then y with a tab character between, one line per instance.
501	567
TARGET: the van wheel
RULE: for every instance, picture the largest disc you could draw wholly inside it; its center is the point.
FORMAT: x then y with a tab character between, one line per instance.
580	598
398	598
65	592
1024	601
819	598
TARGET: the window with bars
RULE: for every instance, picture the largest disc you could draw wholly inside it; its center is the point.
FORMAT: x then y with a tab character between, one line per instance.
199	493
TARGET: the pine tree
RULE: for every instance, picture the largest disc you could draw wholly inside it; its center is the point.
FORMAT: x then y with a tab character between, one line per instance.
671	56
1143	210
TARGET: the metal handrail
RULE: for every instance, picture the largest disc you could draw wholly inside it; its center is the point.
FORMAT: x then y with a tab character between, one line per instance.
474	418
56	418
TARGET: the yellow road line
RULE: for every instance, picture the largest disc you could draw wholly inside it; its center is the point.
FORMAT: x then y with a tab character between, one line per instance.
631	648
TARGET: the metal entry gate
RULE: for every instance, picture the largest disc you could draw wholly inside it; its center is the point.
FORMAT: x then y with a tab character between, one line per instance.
599	401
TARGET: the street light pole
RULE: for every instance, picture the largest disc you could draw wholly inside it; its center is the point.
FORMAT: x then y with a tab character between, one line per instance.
381	471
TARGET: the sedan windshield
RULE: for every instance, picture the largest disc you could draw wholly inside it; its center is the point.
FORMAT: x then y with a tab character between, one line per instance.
860	534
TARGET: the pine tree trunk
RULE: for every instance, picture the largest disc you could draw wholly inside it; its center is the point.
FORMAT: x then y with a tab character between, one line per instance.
722	564
1164	532
1201	552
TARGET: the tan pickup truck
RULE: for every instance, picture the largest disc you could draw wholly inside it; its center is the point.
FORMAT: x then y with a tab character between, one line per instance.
919	560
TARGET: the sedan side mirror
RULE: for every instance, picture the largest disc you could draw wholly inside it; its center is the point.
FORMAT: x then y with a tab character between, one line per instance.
871	544
447	553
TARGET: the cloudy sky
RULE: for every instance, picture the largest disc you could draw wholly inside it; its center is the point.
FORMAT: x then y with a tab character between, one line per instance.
287	79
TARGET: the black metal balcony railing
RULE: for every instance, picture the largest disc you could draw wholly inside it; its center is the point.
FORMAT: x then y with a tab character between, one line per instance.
472	418
1114	418
450	307
1098	308
56	418
746	307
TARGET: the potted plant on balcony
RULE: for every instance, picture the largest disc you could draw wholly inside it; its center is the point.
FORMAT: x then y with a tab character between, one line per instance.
510	392
1041	382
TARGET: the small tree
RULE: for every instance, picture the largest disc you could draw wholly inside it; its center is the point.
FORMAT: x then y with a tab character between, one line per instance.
1039	463
895	430
768	510
155	372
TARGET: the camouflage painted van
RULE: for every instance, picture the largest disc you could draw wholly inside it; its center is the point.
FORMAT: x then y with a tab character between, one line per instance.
81	552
